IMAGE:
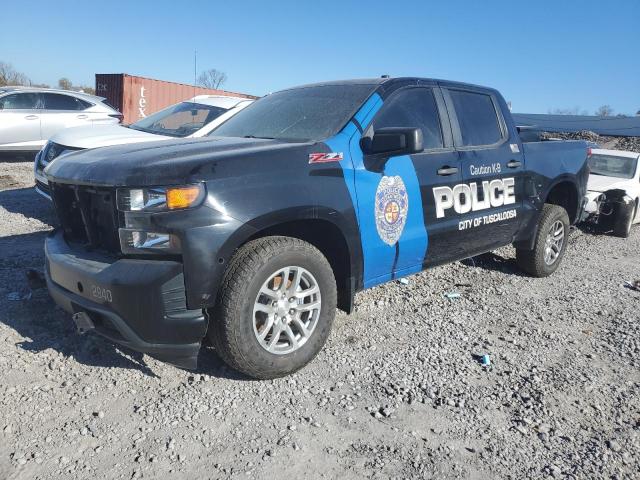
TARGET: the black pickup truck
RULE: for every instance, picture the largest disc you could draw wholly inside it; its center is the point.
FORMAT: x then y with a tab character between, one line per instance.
252	237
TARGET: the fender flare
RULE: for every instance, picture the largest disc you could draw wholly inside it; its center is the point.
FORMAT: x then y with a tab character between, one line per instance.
273	221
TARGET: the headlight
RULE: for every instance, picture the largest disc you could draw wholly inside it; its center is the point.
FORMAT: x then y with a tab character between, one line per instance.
136	238
159	199
52	150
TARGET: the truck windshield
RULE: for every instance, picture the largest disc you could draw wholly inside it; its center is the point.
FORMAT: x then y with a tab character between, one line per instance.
611	166
300	114
179	120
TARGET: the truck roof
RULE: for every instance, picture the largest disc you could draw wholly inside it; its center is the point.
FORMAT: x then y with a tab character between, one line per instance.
393	80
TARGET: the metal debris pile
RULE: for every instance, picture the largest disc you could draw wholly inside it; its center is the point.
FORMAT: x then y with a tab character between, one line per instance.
631	144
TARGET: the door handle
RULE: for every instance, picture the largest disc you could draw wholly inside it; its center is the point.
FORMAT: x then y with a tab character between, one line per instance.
83	116
31	117
446	171
514	164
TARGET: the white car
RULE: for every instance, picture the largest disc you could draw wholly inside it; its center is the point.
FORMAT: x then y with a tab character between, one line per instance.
613	191
29	116
193	118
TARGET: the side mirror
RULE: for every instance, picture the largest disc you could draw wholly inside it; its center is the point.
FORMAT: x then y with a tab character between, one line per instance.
392	141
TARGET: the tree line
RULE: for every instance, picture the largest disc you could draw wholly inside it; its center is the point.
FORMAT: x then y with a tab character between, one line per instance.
603	111
9	76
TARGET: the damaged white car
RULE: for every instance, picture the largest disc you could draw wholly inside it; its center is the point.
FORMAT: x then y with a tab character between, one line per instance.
614	190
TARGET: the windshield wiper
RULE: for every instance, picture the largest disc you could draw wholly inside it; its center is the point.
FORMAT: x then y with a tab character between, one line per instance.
253	136
139	129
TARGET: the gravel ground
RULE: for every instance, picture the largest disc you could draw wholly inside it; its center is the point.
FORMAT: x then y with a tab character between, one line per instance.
398	391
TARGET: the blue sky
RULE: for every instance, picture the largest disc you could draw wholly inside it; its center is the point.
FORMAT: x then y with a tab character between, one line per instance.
540	54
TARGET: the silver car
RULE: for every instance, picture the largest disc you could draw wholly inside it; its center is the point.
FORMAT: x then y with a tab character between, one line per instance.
30	116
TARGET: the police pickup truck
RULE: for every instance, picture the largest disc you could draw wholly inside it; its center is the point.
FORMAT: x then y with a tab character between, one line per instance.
253	236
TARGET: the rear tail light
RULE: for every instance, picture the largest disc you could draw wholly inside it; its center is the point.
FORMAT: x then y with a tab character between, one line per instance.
119	116
589	152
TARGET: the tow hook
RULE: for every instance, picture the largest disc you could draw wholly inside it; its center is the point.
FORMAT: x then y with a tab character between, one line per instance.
83	322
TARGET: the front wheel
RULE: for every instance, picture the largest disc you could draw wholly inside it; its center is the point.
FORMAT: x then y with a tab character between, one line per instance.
275	308
550	243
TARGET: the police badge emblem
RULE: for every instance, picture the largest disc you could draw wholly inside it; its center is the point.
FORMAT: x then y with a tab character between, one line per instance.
392	204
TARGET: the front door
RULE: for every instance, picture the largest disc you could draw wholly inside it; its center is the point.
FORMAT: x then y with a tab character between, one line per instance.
20	121
400	231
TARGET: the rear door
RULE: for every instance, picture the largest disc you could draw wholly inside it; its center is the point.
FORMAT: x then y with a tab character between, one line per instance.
490	198
20	121
62	111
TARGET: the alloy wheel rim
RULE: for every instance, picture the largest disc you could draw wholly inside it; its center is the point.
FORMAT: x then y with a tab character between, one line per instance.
554	242
286	310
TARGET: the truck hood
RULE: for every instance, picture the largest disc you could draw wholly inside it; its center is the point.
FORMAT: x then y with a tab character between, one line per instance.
103	136
171	162
601	183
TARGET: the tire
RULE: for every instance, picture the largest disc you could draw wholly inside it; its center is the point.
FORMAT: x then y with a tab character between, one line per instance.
536	262
623	220
238	320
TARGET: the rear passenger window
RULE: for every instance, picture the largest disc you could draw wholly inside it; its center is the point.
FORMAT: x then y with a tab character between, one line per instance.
56	101
413	108
477	118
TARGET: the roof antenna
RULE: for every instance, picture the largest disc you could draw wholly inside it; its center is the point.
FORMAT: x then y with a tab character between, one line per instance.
385	76
195	71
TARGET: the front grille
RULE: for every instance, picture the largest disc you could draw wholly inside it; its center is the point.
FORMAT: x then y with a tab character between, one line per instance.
88	215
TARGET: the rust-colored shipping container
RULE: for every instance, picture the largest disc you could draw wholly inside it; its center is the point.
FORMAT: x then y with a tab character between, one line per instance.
139	97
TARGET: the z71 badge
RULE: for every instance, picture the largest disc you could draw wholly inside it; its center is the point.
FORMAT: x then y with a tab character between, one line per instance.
325	157
392	205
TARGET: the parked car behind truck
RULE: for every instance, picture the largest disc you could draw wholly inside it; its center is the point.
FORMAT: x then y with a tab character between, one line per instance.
614	190
254	236
190	119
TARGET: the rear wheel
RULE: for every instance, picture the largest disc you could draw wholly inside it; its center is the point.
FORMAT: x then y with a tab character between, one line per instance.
623	220
550	243
275	309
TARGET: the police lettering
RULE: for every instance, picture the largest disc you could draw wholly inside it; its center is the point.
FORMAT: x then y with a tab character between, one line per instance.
465	198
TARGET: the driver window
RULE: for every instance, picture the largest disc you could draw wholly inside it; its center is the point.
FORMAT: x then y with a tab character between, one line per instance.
413	108
19	101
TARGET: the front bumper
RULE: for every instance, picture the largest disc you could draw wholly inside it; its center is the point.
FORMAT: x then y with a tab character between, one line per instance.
602	207
140	304
591	205
592	202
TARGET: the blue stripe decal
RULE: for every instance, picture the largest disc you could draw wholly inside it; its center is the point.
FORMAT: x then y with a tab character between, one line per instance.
368	110
382	262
